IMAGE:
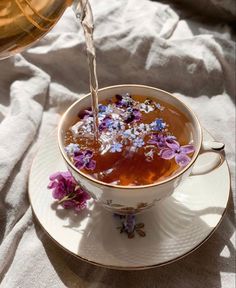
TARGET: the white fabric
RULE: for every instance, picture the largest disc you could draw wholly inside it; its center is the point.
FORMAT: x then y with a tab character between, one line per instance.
140	42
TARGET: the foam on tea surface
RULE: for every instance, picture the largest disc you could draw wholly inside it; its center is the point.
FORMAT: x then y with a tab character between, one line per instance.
141	141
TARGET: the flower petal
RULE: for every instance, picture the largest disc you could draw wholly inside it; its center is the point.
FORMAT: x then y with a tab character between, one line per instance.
187	149
182	159
88	153
55	176
167	154
91	165
58	193
173	144
79	162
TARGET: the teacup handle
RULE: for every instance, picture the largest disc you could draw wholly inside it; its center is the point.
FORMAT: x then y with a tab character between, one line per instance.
209	146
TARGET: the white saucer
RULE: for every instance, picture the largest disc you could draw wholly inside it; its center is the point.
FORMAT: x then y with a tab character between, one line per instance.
174	228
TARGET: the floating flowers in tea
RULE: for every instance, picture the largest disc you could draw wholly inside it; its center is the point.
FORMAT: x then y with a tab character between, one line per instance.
141	141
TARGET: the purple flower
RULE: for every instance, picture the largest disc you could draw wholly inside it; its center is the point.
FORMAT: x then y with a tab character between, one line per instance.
83	160
137	114
131	114
158	139
161	140
62	184
124	100
106	123
72	148
174	150
117	125
138	142
129	223
116	147
102	108
158	124
66	190
144	128
131	133
86	113
80	200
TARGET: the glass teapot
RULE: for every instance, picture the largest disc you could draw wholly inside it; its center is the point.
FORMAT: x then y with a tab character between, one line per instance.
22	22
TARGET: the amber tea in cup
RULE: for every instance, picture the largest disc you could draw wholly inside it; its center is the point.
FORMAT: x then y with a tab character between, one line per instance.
141	141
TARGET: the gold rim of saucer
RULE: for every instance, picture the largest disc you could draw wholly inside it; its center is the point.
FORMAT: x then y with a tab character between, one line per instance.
61	147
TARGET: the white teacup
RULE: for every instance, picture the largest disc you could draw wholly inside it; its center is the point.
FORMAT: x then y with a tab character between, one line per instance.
134	199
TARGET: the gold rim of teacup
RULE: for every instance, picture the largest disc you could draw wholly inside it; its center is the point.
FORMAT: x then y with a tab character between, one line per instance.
61	146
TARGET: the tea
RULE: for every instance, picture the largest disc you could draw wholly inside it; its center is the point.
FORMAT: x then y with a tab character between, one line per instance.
141	141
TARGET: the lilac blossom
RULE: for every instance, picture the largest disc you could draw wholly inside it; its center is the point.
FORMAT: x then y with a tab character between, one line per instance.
105	109
158	124
86	113
117	125
132	115
106	123
116	147
138	142
71	149
144	127
174	150
124	100
160	140
102	108
67	192
136	114
83	160
131	133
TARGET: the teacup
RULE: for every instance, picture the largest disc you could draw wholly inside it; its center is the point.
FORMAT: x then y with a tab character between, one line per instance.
135	199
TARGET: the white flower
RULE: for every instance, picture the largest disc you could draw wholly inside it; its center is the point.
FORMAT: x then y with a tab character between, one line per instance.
146	108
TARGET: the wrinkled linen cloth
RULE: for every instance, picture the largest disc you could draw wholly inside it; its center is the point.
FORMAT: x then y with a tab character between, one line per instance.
143	42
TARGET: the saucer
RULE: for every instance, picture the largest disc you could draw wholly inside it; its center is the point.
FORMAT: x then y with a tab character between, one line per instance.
174	227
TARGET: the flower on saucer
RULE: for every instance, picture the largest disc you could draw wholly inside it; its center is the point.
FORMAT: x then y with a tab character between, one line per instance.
116	147
174	150
67	192
83	160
